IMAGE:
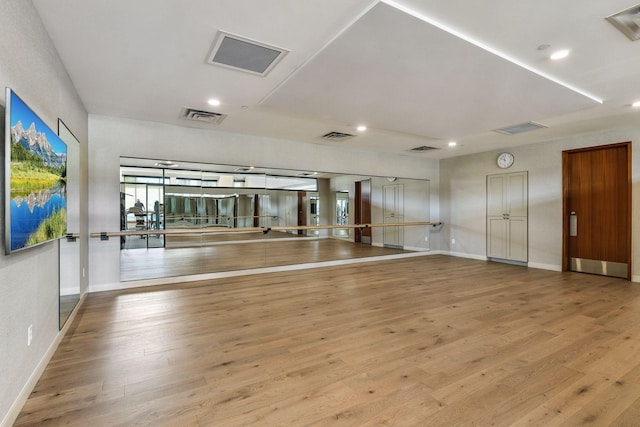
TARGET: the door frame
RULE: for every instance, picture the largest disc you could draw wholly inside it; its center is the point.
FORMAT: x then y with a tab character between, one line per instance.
302	211
362	211
566	261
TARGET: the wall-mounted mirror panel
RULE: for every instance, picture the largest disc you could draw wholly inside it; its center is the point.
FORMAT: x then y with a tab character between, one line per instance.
244	217
69	249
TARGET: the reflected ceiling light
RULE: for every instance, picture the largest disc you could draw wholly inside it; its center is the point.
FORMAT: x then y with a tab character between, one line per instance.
166	164
361	128
636	104
559	54
486	47
214	102
452	143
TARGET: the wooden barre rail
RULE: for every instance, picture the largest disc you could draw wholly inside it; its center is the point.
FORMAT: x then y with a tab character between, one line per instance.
265	230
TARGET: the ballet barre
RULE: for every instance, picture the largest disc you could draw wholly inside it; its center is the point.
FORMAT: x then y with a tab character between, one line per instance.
216	230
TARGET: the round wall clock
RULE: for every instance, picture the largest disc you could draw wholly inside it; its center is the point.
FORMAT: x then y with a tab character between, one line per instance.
505	160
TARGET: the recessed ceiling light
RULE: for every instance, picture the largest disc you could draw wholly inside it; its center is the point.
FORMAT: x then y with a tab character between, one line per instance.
559	54
452	143
636	104
214	102
166	164
361	128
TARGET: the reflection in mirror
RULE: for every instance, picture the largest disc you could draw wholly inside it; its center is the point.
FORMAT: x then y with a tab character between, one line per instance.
342	213
69	249
223	218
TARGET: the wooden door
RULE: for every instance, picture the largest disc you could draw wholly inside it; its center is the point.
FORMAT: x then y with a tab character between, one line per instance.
362	213
256	210
597	210
302	210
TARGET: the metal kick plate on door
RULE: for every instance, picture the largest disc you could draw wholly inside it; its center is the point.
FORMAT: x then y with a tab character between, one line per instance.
604	268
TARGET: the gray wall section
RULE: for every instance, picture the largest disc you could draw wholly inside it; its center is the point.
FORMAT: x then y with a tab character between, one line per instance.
463	197
28	280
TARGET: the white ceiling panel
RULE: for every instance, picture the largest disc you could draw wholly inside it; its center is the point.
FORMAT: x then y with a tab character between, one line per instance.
353	62
397	72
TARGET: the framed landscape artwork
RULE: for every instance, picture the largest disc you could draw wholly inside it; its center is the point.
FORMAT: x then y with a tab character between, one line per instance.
35	177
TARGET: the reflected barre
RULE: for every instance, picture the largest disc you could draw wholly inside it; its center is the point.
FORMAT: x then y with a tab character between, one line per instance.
265	230
71	237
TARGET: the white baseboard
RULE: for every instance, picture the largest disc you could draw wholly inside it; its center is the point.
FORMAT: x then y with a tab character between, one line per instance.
236	273
406	248
541	266
24	394
465	255
415	248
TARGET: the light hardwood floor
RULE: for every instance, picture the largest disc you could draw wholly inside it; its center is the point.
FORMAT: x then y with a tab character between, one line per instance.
428	341
139	264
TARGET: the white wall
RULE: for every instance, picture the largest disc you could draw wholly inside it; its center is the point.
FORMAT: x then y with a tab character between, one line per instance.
415	208
112	137
29	279
463	197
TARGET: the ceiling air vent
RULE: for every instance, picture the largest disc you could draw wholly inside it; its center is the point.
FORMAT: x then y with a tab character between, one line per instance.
521	128
202	116
240	53
337	136
423	148
628	22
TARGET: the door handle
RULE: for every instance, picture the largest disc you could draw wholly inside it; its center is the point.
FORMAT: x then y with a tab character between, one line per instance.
573	224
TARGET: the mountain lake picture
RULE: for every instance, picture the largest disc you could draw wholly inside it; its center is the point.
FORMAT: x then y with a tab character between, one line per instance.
38	207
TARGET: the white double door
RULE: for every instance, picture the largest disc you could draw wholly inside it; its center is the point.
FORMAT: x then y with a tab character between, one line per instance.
507	216
393	213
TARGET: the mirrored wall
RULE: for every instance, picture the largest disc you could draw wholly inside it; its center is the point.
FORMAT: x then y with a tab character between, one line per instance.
69	249
214	218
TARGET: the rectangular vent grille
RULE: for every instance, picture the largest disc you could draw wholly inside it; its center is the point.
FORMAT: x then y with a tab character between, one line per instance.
243	54
202	116
337	136
521	128
423	148
627	22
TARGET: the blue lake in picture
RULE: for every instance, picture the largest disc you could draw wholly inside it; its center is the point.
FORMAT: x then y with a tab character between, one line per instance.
24	221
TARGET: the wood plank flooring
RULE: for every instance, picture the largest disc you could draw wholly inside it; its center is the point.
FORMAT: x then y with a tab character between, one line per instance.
138	264
428	341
